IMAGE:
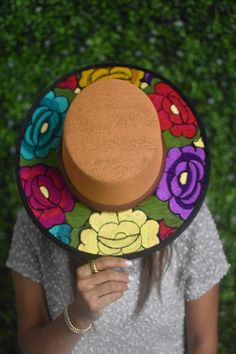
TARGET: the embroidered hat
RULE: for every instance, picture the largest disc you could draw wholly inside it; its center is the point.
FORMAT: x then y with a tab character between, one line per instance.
112	160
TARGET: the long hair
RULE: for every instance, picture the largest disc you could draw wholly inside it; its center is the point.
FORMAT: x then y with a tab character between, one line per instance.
153	266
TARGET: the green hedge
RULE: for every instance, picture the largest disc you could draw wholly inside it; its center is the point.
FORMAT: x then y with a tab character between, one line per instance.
189	42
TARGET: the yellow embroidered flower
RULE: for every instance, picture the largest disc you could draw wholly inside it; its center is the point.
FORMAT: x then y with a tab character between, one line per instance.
117	72
119	233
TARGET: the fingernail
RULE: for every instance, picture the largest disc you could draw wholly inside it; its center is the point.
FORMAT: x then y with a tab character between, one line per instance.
128	263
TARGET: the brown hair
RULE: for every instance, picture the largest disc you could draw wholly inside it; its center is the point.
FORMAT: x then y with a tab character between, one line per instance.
153	266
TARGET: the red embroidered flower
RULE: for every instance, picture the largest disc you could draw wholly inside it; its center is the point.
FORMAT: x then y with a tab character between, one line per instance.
165	231
47	194
174	114
70	83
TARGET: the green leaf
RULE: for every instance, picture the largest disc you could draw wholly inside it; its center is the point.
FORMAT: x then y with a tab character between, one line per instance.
151	87
78	216
66	93
51	159
153	208
158	210
173	141
74	238
197	136
172	220
75	235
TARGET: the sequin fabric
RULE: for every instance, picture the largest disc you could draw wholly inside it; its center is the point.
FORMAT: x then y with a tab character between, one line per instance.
198	262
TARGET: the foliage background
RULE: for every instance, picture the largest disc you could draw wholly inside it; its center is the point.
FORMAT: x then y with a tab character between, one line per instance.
191	43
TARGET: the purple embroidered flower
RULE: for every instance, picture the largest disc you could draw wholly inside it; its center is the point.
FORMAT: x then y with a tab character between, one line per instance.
181	181
148	77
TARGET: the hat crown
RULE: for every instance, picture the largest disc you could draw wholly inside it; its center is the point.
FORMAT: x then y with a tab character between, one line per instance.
112	149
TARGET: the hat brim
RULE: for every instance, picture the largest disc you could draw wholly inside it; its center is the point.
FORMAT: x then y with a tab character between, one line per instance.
152	224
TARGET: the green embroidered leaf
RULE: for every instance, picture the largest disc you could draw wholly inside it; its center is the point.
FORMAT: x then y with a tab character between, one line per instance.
173	141
153	208
78	216
74	238
75	235
51	159
79	76
150	88
172	220
66	93
197	136
158	210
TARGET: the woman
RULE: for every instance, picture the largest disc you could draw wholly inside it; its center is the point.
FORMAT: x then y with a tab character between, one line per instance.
187	296
123	139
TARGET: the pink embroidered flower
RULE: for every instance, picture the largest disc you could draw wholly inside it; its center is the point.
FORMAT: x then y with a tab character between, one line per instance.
48	196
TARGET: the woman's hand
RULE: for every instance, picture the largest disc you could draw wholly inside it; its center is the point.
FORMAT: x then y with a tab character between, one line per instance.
96	291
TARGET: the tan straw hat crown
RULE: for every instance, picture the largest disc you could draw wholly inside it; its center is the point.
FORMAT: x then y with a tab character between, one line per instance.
112	150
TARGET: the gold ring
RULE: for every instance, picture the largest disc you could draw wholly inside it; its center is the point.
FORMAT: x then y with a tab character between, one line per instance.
93	266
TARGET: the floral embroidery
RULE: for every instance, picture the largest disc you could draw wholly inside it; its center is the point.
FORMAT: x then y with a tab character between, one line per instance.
119	233
173	113
62	232
108	233
92	75
182	178
46	193
165	230
70	83
148	77
45	127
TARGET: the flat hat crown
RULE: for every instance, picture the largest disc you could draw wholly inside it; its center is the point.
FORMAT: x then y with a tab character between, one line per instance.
112	150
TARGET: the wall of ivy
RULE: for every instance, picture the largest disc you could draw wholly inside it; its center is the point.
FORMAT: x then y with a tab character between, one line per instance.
190	42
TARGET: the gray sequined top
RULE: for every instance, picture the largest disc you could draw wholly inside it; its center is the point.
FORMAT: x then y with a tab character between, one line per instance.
198	262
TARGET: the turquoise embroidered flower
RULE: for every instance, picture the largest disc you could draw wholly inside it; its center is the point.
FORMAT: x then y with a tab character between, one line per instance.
44	130
62	232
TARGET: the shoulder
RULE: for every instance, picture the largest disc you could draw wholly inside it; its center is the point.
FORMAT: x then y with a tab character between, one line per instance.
30	251
26	232
201	234
201	255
